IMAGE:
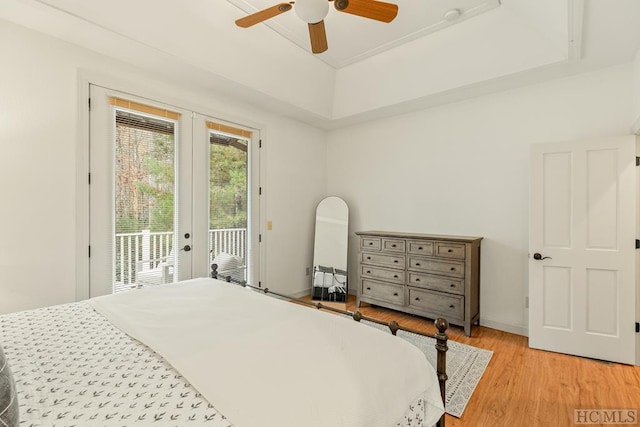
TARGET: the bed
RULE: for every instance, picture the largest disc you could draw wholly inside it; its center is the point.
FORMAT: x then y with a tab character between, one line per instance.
205	352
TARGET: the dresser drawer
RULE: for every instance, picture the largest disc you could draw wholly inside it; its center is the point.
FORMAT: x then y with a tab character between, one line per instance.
389	275
393	245
419	247
383	291
430	265
371	243
383	259
437	283
451	306
449	250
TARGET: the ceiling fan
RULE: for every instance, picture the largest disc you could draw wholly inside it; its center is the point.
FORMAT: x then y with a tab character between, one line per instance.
313	13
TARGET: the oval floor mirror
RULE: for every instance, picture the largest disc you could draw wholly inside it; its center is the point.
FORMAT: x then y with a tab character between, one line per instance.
329	281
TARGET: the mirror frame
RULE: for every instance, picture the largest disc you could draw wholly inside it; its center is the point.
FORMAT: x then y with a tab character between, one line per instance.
326	269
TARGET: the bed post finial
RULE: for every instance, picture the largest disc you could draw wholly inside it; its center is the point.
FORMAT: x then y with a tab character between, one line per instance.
357	316
441	325
441	347
393	327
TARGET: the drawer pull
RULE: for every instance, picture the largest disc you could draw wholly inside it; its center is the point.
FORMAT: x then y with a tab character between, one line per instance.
453	285
417	264
393	246
395	276
450	250
417	279
368	257
395	261
395	294
419	248
452	306
453	269
368	271
417	299
370	243
368	289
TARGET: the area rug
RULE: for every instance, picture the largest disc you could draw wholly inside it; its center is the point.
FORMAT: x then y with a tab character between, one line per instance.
465	366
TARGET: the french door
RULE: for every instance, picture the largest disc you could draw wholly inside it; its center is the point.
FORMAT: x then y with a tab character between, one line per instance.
170	190
582	270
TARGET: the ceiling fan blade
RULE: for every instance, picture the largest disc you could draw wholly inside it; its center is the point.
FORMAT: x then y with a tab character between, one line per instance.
318	37
263	15
372	9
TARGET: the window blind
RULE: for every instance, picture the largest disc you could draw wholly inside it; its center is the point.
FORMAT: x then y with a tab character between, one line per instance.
143	108
229	129
228	136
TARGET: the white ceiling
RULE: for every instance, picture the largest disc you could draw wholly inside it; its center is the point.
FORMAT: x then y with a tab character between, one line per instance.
353	38
397	68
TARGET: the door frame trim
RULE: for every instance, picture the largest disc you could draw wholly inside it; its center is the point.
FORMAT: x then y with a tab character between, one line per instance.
637	254
82	192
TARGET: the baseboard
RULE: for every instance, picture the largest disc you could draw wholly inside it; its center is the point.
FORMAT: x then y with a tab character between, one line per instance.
506	327
300	294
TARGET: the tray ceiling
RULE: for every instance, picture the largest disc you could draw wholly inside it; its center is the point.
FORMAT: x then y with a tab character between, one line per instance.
352	38
371	69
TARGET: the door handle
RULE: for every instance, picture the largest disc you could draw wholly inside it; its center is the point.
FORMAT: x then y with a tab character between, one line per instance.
537	256
186	248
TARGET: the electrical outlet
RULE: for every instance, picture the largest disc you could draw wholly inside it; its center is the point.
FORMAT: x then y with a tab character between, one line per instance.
526	302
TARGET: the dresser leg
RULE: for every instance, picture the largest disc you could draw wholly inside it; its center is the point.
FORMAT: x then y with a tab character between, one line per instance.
467	329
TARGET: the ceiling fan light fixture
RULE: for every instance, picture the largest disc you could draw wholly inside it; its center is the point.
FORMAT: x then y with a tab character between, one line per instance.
311	11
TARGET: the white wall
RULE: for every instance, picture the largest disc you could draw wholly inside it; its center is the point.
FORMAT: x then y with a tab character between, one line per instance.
465	54
636	93
463	169
204	44
38	144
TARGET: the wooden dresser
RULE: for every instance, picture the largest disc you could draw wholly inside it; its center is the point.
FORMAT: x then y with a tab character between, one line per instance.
424	274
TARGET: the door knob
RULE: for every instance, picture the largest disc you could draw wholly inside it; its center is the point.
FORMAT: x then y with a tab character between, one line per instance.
186	248
538	256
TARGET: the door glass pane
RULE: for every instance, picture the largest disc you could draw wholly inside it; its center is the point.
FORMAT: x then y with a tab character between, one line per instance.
144	200
228	161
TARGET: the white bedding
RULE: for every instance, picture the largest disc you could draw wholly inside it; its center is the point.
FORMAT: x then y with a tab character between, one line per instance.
73	367
264	362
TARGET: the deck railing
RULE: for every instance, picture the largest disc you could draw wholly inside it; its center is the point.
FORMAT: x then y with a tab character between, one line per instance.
146	249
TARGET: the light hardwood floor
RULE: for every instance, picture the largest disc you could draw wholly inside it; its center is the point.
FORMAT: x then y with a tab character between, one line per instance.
523	387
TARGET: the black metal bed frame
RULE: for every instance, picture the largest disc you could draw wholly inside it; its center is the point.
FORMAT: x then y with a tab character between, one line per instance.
440	323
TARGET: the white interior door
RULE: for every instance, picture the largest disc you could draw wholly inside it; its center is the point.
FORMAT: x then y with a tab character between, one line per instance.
582	260
140	192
